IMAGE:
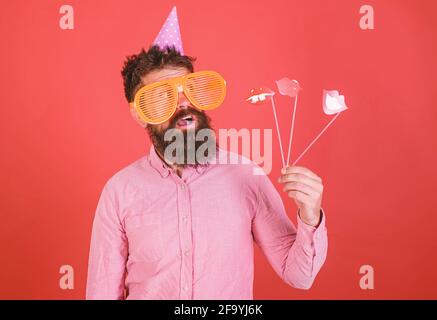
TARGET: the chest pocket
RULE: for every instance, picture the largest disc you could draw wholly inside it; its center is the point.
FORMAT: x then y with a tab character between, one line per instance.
144	233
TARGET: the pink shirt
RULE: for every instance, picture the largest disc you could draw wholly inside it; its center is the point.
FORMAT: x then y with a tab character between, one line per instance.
160	236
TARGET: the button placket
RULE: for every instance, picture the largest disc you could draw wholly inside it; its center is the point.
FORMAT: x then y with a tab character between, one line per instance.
185	241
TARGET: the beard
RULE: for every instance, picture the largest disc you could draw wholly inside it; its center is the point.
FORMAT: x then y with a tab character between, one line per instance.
190	144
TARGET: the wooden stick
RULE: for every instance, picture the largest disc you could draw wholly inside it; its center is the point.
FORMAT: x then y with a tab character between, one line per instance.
279	133
292	130
316	138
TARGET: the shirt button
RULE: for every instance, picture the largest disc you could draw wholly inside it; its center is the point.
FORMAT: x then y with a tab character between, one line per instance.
184	218
184	288
186	252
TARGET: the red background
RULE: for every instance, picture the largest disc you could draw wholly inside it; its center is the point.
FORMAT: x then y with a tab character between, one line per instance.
65	129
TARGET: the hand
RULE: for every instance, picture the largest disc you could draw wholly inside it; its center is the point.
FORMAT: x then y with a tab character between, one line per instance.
306	188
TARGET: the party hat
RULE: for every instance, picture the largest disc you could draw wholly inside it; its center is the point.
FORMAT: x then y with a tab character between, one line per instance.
170	34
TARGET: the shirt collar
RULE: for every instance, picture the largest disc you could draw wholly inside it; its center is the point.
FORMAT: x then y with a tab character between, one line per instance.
157	163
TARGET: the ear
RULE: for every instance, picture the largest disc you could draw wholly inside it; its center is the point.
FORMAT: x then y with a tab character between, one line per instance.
135	115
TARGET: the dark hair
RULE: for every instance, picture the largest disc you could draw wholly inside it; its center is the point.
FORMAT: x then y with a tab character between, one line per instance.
138	65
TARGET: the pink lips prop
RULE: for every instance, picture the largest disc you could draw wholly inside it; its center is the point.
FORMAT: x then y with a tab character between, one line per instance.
333	102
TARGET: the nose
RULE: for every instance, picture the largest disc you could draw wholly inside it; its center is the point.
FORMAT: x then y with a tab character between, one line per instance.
183	101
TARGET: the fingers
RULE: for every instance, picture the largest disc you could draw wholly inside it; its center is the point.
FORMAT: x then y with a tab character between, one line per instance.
301	187
300	196
306	188
301	170
301	178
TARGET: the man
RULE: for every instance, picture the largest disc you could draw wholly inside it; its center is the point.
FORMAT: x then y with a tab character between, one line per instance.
178	230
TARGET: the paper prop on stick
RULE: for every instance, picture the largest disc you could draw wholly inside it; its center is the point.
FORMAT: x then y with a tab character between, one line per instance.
333	103
259	96
289	88
286	87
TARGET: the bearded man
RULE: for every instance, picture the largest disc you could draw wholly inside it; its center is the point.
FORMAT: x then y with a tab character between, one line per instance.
169	228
